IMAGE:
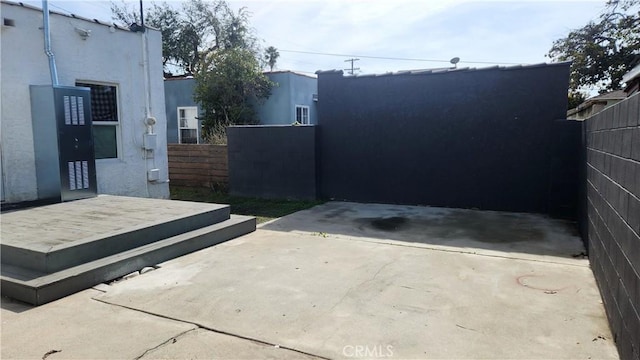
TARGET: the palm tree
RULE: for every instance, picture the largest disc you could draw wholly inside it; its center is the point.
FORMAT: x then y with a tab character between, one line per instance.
271	55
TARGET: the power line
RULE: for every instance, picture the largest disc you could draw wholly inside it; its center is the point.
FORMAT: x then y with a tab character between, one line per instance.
77	13
60	8
393	58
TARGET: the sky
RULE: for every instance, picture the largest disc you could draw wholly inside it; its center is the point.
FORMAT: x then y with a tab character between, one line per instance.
316	35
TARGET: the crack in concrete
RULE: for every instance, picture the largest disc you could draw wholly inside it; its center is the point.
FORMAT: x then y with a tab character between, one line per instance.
171	339
362	283
351	289
379	270
50	352
466	328
201	326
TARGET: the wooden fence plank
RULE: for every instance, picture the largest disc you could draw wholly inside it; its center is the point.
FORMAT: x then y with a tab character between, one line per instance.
198	165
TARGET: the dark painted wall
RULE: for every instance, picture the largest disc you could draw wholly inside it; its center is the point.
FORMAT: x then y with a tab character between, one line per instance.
478	138
566	178
272	161
613	210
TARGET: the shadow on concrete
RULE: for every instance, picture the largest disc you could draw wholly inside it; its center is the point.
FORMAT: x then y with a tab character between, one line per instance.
14	306
420	225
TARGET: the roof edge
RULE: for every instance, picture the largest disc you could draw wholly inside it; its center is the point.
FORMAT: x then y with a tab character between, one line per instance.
632	74
73	16
290	72
435	71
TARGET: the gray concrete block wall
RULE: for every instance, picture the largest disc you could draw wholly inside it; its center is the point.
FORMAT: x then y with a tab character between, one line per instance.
273	161
613	214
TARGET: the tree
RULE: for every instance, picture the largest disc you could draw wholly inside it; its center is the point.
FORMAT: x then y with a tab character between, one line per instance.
271	55
124	14
602	52
575	99
209	40
163	17
189	34
225	87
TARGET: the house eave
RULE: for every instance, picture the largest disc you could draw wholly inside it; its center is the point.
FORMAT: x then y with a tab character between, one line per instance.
72	16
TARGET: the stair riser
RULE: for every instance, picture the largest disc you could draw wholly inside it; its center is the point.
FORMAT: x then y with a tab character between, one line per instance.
87	275
67	257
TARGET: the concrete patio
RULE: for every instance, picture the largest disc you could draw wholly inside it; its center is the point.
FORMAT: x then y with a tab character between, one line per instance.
342	280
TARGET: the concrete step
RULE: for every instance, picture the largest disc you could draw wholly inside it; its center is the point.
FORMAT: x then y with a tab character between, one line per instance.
122	229
38	287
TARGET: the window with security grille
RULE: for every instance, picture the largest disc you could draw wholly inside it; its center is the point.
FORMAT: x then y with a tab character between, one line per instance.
104	116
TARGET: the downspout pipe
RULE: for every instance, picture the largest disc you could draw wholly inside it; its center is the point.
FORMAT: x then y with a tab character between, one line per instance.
47	43
142	17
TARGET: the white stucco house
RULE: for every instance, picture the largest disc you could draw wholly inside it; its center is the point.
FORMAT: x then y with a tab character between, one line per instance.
110	60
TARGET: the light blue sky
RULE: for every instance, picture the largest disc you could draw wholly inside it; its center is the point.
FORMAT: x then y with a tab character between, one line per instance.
496	32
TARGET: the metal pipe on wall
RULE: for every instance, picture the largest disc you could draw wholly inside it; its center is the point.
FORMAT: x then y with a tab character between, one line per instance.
47	43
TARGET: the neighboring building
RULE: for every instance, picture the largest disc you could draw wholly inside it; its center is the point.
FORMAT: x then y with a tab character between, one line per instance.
110	61
292	99
183	125
632	81
595	104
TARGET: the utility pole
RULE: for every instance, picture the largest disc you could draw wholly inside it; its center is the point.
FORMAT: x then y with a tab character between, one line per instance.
352	69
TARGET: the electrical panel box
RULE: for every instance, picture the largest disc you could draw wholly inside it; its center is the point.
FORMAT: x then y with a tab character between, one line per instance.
153	175
63	142
149	141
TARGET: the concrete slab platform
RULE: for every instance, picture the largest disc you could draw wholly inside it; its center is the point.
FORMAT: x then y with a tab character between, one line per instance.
331	296
38	288
51	238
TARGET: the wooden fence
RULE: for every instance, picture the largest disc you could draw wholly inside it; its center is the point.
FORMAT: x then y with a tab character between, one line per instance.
198	165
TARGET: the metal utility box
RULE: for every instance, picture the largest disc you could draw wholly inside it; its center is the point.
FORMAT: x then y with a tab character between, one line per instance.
63	142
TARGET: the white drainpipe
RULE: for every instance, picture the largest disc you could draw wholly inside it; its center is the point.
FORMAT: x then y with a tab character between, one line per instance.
47	43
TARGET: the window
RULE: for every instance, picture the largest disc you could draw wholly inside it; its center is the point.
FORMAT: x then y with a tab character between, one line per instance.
104	115
188	131
302	114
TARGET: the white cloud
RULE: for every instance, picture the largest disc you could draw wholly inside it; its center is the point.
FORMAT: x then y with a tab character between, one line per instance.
492	31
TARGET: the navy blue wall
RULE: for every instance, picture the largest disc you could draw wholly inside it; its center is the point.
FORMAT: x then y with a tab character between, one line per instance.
272	161
463	138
